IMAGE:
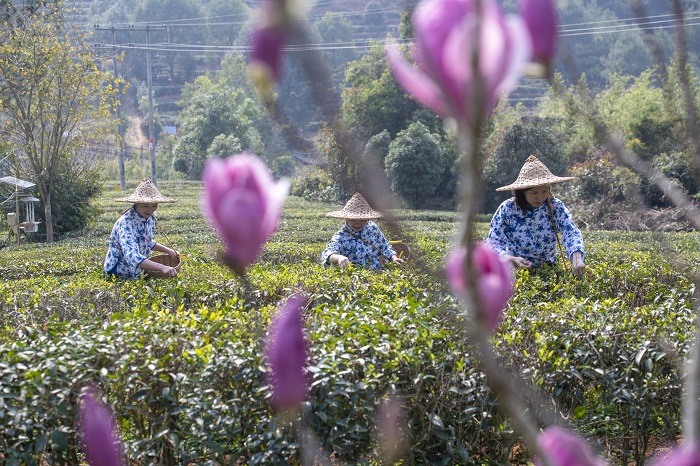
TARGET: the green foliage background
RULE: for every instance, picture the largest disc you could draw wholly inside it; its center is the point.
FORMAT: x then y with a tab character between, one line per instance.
181	361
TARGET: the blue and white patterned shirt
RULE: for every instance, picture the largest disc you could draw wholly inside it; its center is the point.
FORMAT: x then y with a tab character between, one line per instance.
530	235
130	244
356	250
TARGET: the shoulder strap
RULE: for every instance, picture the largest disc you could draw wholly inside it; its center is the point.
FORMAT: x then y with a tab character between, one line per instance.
163	233
116	245
345	227
550	209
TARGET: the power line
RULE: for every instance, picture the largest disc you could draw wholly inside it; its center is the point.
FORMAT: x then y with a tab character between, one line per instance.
673	22
631	19
206	21
354	45
363	44
630	29
563	27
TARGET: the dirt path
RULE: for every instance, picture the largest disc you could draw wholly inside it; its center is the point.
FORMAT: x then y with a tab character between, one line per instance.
134	137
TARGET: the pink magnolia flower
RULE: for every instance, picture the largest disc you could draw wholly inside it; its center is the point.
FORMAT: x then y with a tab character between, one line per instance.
270	34
286	354
244	204
565	448
266	54
687	454
102	444
448	32
541	19
494	280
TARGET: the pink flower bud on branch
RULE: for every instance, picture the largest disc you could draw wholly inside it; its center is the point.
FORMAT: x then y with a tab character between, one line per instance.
687	454
541	19
449	35
493	277
566	448
101	442
244	204
286	355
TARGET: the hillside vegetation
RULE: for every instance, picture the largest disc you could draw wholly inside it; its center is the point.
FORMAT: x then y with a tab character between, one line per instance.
181	362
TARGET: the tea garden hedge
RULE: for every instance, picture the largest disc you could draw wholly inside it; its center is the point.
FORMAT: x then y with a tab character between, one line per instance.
181	363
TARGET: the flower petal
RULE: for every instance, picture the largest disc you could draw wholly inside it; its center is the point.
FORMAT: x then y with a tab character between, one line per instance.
416	83
286	354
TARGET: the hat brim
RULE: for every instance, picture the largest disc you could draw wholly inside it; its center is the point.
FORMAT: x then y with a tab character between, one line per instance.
536	182
351	216
145	200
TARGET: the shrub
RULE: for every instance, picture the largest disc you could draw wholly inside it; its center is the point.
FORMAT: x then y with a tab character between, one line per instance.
680	169
317	185
529	136
283	166
373	157
415	164
341	166
72	202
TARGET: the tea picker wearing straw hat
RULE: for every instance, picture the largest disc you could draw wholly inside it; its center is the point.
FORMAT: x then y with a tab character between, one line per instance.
360	241
526	228
132	237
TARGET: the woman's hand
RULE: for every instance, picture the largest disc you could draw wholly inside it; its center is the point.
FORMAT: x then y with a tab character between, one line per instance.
172	253
396	259
340	259
518	261
577	266
168	271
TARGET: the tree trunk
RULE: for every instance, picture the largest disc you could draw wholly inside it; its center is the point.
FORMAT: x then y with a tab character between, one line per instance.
47	216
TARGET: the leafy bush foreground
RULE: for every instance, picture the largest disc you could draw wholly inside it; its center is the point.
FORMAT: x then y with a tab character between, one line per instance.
181	361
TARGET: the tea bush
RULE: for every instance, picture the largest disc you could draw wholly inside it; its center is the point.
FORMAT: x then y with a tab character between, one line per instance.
181	361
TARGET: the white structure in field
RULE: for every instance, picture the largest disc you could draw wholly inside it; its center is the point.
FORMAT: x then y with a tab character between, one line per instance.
30	225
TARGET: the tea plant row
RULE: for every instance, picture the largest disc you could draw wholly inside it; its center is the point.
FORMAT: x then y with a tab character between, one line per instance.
181	361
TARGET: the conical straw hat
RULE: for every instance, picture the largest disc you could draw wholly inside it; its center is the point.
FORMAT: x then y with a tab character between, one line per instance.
534	173
356	208
145	193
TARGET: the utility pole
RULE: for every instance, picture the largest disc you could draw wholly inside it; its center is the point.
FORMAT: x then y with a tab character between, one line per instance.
151	136
120	125
151	141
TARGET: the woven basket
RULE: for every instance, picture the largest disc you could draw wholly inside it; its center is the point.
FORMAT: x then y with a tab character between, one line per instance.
403	250
165	260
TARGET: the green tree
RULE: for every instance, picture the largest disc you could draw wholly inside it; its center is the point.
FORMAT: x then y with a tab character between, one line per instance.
415	164
55	102
372	101
294	95
586	49
374	14
630	103
337	31
224	145
373	156
284	166
112	12
560	107
378	147
75	185
529	136
226	19
341	166
211	109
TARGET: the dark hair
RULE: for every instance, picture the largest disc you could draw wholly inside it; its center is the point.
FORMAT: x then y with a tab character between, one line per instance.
127	209
520	200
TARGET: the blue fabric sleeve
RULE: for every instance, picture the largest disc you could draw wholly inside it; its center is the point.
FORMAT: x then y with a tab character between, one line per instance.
497	238
333	247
